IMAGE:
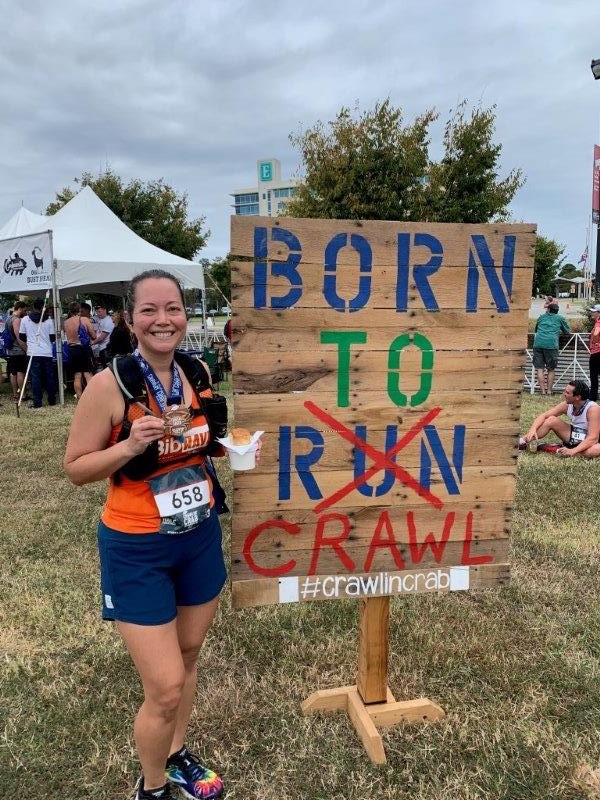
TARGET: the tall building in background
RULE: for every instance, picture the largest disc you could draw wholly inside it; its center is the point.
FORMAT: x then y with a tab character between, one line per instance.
270	196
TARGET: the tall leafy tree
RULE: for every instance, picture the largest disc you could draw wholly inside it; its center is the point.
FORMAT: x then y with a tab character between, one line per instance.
218	279
371	165
464	186
154	210
570	271
546	264
362	168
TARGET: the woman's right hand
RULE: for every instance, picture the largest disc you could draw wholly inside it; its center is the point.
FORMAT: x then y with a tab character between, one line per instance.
144	431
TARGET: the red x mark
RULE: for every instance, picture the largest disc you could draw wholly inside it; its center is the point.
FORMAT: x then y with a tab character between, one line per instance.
382	460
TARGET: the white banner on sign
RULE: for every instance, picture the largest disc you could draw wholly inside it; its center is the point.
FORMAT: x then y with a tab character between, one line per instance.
26	263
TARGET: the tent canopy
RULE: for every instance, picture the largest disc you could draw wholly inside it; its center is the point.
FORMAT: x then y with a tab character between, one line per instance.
22	223
95	251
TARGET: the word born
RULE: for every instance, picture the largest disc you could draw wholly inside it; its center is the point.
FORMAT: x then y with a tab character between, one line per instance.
479	257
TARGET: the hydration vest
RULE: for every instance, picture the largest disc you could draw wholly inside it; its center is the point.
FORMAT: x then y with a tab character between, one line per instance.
130	380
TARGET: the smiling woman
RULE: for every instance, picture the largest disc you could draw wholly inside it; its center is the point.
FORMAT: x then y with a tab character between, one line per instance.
162	567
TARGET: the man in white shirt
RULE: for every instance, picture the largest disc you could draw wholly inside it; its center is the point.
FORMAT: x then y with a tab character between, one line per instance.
38	334
104	327
580	434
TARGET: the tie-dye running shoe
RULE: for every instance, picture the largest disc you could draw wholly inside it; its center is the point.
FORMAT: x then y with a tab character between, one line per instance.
163	793
193	780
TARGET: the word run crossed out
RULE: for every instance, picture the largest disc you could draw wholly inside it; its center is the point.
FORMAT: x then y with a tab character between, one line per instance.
431	448
479	258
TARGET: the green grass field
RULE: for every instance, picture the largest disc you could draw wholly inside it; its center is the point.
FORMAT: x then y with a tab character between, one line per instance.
517	670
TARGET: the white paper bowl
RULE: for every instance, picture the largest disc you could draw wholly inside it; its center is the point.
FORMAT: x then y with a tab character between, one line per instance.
242	461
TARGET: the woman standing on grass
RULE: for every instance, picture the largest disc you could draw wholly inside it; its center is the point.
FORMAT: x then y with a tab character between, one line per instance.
594	346
80	353
161	571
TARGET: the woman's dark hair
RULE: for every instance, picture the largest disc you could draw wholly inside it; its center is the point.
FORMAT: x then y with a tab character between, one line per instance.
119	319
144	276
74	308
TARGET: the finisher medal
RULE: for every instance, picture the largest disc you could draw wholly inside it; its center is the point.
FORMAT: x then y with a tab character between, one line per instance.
177	420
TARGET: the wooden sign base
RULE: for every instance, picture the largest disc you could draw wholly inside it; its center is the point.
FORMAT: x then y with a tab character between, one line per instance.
370	704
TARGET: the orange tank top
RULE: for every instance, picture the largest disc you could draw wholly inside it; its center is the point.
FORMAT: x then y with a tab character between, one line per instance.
130	506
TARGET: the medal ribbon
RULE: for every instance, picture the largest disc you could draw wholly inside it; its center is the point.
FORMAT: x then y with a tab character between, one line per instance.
175	397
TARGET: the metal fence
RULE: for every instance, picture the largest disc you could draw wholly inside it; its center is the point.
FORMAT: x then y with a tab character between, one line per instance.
195	340
573	362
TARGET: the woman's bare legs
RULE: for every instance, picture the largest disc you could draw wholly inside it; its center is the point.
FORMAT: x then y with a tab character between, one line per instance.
165	657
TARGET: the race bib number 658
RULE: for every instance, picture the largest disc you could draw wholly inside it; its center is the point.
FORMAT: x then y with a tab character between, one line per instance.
182	498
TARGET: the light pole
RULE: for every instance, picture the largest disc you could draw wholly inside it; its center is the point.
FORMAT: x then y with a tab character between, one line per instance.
595	65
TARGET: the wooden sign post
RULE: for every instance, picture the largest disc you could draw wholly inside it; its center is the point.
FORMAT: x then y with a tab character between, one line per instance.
370	704
385	362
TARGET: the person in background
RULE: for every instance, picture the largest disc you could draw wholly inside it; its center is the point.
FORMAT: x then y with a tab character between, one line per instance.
85	312
16	363
37	332
4	317
594	352
545	346
580	434
550	300
80	353
104	328
119	342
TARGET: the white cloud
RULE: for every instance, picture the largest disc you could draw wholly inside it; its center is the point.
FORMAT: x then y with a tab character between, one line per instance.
196	92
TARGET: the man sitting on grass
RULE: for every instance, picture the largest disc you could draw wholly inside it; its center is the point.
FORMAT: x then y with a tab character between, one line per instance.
580	434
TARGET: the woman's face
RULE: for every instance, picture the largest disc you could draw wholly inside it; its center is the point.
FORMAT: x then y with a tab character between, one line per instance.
158	319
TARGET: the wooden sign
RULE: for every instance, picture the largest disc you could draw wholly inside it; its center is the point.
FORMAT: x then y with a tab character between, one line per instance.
385	362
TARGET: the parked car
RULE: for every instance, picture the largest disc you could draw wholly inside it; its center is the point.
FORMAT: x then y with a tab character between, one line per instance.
197	311
213	311
226	310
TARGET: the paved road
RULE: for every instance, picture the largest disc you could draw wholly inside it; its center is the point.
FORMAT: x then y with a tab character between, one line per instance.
571	309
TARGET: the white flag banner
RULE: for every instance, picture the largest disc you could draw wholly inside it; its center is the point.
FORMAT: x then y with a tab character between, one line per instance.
26	263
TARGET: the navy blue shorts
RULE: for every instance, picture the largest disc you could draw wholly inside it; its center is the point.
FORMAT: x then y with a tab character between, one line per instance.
145	576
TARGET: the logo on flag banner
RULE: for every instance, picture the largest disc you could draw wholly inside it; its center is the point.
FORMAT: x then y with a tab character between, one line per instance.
596	186
584	257
26	263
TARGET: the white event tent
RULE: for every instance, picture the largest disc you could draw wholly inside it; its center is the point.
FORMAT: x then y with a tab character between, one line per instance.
22	223
93	251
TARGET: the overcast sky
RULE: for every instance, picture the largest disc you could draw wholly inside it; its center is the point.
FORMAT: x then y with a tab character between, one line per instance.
195	91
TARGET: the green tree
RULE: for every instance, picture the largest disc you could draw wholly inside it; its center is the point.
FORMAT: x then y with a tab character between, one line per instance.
371	165
570	271
153	210
464	186
217	275
546	264
365	168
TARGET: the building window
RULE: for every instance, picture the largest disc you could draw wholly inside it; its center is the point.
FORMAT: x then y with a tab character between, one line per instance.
288	191
245	210
251	197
